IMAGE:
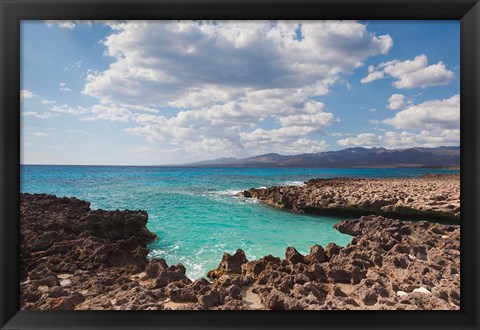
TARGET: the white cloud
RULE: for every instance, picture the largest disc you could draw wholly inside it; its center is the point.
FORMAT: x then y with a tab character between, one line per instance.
430	124
195	97
214	147
248	56
41	115
312	116
396	102
76	111
229	126
285	140
260	71
78	63
430	114
63	87
48	101
26	94
372	76
108	112
95	112
64	24
72	24
40	134
340	134
404	139
363	139
411	73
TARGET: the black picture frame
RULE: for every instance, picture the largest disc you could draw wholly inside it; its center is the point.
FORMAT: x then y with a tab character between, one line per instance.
13	11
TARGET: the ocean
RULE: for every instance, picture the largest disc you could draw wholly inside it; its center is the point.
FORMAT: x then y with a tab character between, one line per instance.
195	212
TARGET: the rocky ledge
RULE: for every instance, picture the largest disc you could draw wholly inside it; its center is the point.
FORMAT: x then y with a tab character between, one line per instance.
76	258
432	196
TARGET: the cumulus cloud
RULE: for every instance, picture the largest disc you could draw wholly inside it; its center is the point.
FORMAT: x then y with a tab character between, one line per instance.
95	112
404	139
72	24
283	140
226	78
170	62
411	73
313	115
372	76
48	101
430	124
64	108
63	87
64	24
26	94
108	112
234	128
396	102
40	115
430	114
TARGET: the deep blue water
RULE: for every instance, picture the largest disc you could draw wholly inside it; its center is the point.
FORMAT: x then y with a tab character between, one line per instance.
194	211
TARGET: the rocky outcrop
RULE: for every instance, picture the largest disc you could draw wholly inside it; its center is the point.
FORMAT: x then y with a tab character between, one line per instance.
69	253
430	196
389	264
76	258
230	264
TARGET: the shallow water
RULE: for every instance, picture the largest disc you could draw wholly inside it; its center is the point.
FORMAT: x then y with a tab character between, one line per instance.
194	211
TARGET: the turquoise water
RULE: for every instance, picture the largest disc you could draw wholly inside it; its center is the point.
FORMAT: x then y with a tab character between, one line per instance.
194	211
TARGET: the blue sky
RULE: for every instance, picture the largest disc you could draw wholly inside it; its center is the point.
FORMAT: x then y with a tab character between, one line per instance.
146	93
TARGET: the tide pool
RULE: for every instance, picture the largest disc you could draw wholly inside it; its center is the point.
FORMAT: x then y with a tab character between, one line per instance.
194	211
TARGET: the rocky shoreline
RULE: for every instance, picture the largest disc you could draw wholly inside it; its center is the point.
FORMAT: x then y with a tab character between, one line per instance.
429	197
76	258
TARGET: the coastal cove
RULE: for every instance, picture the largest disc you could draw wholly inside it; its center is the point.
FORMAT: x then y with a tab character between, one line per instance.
194	211
242	165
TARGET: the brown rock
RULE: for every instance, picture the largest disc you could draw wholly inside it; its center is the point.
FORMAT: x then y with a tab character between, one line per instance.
317	254
332	249
399	197
230	264
155	266
277	300
210	299
292	255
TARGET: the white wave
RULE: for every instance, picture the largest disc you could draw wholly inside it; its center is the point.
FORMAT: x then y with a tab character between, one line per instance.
227	192
294	183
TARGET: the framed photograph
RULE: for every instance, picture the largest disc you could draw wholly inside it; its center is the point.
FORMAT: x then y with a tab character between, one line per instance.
239	164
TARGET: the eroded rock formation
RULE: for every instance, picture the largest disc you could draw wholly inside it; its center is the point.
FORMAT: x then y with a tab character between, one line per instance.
389	264
76	258
435	197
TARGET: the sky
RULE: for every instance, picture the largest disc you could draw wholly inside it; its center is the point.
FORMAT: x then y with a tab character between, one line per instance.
171	92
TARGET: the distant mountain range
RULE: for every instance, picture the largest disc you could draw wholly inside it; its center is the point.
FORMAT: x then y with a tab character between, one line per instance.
350	157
